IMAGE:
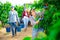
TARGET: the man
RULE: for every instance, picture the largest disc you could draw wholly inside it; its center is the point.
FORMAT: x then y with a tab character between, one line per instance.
13	18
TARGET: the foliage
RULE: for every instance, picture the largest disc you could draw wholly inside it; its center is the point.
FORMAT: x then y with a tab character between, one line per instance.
19	9
51	16
27	38
54	31
41	35
4	11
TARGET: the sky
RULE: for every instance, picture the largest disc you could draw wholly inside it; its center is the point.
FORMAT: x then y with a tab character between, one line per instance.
17	2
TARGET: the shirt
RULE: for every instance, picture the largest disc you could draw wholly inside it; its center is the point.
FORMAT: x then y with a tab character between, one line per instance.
25	14
33	21
13	16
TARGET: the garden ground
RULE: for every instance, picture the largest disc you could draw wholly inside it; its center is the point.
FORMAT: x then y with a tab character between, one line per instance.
20	35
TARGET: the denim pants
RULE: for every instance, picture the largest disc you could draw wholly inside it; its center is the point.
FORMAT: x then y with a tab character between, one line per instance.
25	20
35	32
13	28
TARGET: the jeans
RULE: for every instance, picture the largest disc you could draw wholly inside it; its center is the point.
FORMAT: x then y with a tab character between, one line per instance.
13	28
25	20
35	32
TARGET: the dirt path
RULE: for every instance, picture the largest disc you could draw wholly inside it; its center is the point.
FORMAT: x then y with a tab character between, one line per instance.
20	35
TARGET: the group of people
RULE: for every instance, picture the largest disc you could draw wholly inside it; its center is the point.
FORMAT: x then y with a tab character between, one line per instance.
28	15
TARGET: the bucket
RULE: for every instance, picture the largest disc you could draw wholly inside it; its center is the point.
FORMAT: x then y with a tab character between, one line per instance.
18	29
22	25
7	29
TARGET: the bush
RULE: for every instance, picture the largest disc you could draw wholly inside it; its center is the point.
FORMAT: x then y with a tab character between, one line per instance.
27	38
4	11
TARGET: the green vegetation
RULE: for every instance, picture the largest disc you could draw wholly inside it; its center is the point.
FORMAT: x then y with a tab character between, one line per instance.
4	11
27	38
51	16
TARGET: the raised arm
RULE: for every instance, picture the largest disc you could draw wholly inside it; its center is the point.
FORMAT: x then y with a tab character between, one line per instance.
33	22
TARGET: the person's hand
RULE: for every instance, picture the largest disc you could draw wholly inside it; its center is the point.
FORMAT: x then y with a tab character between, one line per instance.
40	19
37	22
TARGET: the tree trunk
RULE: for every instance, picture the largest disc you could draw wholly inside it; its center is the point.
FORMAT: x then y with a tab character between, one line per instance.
2	23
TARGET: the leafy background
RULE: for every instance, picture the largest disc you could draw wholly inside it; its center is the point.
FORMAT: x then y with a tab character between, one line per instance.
51	16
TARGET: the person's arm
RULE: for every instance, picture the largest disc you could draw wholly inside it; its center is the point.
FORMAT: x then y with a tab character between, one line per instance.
39	20
33	22
17	16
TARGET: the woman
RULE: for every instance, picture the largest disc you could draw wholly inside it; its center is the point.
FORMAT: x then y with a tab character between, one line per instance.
34	21
25	19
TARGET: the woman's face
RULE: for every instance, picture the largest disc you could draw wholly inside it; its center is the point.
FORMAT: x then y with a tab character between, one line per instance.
28	12
33	13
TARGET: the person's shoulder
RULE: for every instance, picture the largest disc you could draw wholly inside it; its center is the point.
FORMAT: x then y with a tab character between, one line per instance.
15	11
